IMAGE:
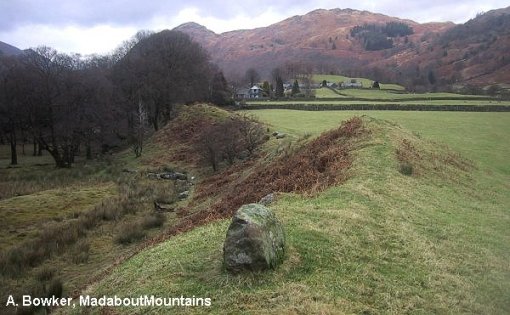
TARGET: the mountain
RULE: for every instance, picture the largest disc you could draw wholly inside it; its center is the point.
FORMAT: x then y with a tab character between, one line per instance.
9	50
323	38
477	51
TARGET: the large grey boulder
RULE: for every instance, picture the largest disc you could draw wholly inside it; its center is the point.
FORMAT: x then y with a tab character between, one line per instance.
255	240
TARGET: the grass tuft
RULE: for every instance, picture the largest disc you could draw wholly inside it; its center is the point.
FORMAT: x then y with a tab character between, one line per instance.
81	252
154	220
406	168
130	232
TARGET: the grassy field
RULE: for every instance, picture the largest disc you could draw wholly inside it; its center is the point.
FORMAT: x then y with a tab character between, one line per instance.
386	93
375	102
381	243
366	82
326	93
482	137
376	94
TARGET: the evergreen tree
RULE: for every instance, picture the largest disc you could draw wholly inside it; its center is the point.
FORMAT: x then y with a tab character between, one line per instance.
295	88
432	77
252	76
266	88
220	92
279	87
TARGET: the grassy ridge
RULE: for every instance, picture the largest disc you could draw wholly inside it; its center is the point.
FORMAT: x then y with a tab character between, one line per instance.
383	242
482	137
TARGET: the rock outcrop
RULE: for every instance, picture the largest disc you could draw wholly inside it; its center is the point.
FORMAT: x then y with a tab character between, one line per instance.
255	240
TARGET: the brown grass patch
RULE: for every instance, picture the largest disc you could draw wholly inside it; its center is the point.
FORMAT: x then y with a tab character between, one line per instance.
418	161
180	134
319	164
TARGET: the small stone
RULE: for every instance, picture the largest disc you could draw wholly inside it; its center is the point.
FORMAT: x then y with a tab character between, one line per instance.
267	199
184	195
161	207
152	176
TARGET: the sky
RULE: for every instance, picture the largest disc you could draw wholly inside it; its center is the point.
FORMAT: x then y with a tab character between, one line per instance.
98	26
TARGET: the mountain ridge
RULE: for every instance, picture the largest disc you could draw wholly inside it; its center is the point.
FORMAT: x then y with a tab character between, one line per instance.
9	50
322	38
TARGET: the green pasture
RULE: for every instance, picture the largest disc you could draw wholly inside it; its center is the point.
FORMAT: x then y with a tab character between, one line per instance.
370	102
482	137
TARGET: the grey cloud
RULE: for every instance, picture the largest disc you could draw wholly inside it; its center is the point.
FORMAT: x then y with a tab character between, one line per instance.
15	13
114	12
84	13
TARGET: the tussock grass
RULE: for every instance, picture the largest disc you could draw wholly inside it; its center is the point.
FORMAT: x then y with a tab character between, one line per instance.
69	232
130	232
154	220
37	174
24	214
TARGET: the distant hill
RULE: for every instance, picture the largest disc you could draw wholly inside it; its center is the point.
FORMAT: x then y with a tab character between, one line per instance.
9	50
323	39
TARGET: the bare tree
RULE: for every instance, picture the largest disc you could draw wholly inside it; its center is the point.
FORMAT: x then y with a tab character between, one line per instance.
229	140
305	77
252	76
141	125
162	70
11	111
63	102
252	133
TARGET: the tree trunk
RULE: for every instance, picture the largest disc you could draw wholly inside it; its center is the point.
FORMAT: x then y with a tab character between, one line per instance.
14	153
89	151
60	159
155	124
35	147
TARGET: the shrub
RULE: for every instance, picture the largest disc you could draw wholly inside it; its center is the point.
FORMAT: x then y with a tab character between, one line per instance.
80	253
12	262
129	232
56	288
228	140
46	273
110	212
153	221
